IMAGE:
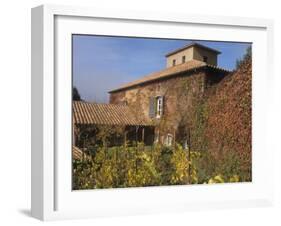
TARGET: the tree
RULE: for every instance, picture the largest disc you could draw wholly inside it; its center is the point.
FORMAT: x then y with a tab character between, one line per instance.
246	56
75	94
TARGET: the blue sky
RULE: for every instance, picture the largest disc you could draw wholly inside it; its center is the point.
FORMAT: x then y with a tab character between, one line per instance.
103	63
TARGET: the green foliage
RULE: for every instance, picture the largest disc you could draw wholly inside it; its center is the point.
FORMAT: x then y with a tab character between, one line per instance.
247	55
222	179
198	130
226	168
181	166
75	94
116	167
139	165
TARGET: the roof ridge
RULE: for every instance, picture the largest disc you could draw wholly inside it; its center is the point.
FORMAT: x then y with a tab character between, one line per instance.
193	43
169	68
164	73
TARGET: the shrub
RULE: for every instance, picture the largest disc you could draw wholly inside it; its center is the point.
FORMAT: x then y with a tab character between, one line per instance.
136	166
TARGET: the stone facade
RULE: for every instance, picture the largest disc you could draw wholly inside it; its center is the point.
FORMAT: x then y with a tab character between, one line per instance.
211	57
179	93
170	98
141	95
178	57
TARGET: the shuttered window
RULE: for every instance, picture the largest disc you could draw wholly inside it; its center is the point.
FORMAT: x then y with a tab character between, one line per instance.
156	106
159	108
152	107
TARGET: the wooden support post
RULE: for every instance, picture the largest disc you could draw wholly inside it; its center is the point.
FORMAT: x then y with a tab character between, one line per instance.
174	139
125	139
143	134
137	129
83	150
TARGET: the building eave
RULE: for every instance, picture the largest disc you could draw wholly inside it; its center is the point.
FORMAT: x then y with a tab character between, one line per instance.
212	67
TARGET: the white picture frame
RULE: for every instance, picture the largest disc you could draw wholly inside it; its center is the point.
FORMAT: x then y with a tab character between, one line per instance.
52	197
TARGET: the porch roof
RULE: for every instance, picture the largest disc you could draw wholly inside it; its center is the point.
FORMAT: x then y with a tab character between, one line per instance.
106	114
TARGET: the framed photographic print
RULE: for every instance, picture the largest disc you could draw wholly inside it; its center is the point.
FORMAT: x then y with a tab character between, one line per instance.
137	113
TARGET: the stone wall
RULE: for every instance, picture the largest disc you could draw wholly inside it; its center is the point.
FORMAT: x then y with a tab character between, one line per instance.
188	53
192	53
181	94
199	53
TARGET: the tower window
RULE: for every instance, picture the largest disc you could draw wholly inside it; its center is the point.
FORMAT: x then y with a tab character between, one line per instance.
174	62
183	59
205	59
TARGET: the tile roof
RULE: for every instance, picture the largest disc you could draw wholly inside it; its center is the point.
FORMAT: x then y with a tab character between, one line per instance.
188	66
105	114
77	153
190	45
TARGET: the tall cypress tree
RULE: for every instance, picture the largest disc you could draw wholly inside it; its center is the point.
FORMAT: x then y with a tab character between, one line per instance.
75	94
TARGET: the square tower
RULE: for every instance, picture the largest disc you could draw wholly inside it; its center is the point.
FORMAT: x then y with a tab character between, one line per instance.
192	51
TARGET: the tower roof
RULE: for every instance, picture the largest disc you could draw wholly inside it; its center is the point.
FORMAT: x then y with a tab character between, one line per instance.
192	44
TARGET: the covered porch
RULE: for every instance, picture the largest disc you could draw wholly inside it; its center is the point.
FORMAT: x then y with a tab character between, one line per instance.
109	125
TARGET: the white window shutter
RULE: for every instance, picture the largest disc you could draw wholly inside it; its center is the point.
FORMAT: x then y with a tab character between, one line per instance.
163	105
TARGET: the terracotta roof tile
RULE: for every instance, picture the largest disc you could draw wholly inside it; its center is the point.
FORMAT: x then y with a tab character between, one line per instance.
105	114
188	66
77	153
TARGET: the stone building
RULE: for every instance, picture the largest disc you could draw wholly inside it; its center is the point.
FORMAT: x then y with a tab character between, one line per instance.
159	107
167	98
